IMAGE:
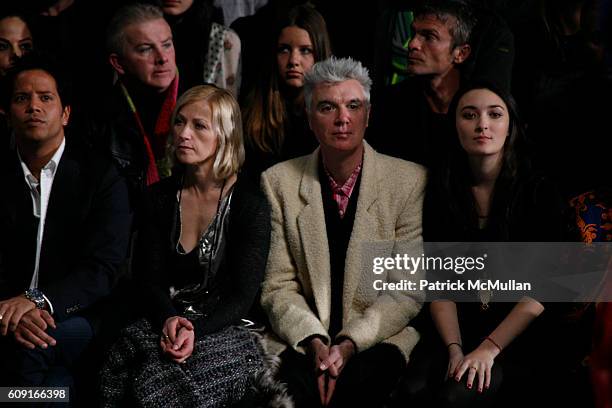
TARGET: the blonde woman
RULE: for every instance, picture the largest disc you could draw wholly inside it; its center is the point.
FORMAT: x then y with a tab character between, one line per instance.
200	260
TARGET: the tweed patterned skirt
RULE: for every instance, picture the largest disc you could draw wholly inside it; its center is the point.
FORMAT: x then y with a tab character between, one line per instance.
222	369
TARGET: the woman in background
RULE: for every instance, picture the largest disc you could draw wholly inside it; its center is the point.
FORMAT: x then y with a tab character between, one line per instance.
15	40
275	124
206	51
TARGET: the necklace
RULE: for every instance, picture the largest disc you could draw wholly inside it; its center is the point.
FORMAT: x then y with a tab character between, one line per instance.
485	297
215	226
206	250
211	248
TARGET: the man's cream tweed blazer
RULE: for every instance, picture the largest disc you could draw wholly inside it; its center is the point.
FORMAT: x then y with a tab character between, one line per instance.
296	288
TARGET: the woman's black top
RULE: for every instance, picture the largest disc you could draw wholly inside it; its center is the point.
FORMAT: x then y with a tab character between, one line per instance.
228	294
533	212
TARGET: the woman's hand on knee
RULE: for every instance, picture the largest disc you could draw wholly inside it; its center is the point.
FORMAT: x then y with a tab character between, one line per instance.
178	338
477	365
173	325
183	345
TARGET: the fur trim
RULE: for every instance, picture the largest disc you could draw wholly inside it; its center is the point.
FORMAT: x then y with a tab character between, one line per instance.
267	390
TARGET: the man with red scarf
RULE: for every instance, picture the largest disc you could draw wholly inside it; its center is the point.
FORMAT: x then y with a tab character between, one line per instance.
134	124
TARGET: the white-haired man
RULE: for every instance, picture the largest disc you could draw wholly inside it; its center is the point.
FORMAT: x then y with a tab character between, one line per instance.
344	343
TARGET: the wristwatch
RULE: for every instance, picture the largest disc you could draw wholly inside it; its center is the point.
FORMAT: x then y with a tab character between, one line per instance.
36	296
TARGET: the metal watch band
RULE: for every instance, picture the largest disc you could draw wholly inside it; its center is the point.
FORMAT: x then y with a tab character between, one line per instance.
35	296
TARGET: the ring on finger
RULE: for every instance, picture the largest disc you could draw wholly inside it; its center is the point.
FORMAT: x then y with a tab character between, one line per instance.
473	368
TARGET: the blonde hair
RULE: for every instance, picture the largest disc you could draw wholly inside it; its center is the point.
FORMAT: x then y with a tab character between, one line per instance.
226	122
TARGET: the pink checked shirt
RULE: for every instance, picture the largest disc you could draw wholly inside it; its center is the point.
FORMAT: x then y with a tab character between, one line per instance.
342	193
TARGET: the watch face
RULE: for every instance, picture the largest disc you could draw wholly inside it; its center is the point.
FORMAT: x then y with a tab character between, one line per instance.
35	293
35	296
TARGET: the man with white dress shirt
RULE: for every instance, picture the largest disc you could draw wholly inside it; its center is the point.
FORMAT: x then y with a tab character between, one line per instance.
64	227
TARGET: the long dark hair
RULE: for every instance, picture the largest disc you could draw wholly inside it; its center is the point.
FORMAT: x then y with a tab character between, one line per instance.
264	111
13	11
455	177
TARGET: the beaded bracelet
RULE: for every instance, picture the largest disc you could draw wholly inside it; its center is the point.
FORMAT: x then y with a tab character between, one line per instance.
450	344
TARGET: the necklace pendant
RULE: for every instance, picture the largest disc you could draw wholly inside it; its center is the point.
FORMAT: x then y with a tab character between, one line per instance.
484	297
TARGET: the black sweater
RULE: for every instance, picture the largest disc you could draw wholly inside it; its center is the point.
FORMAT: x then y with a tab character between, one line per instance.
237	282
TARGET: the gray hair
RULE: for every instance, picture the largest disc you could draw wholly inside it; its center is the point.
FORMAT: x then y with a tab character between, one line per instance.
334	70
456	14
131	14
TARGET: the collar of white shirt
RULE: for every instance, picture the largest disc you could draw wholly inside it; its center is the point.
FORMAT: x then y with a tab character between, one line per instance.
49	169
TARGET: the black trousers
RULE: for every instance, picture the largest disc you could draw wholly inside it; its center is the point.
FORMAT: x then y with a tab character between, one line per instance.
48	367
366	381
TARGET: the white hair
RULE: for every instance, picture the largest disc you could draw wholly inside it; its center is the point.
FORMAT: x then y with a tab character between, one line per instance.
334	70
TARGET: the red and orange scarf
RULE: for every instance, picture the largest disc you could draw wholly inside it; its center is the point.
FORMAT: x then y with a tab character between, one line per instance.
155	146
